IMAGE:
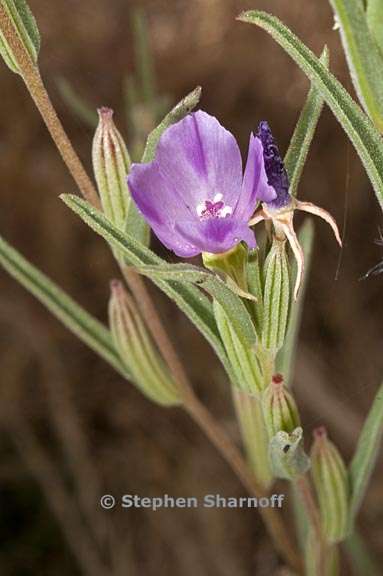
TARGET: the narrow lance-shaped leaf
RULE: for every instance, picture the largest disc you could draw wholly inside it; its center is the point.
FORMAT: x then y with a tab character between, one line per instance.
212	283
362	133
24	24
375	21
286	356
73	316
364	59
303	135
366	453
188	298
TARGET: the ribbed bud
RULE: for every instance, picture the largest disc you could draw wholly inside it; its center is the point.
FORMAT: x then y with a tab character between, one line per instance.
279	407
111	164
25	27
276	296
331	482
137	351
287	456
254	434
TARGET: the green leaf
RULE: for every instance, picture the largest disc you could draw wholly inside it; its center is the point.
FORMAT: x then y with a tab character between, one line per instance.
233	306
181	110
78	105
188	298
143	58
25	26
75	318
364	59
300	142
360	130
375	21
366	453
286	356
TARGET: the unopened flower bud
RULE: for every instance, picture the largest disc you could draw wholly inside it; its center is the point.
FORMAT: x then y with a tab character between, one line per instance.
279	407
137	351
276	299
25	27
287	456
331	483
111	164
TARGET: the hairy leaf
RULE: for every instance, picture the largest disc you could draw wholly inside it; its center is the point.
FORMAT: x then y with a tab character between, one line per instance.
73	316
357	125
188	298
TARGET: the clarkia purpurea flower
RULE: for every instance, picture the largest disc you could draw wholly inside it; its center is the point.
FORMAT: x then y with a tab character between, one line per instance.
197	199
280	209
194	194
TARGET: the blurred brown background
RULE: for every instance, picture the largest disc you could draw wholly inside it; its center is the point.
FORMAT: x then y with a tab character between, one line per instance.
57	396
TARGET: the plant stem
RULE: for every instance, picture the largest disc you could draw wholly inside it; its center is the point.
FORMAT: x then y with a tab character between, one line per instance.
197	411
233	457
36	88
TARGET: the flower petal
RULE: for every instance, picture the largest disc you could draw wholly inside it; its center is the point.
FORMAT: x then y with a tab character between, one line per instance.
217	235
255	187
202	158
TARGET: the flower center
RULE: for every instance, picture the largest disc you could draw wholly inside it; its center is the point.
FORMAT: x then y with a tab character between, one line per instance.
215	208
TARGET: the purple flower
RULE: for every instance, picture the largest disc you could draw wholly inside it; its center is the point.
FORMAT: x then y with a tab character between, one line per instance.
194	194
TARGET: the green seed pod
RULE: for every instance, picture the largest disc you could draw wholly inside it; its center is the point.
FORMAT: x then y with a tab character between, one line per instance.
24	24
254	434
331	482
287	456
136	349
276	296
279	407
111	164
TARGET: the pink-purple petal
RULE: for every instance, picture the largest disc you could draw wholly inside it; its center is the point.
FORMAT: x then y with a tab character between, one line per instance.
202	158
217	235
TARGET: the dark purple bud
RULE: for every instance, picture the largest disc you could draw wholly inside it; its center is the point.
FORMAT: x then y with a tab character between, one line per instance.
274	167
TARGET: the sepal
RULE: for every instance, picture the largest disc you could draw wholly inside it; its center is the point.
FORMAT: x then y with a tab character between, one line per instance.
287	456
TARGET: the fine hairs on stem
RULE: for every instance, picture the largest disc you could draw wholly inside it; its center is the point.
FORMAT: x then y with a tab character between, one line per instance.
202	417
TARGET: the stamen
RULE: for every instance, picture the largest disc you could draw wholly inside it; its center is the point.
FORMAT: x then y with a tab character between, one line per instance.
215	208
